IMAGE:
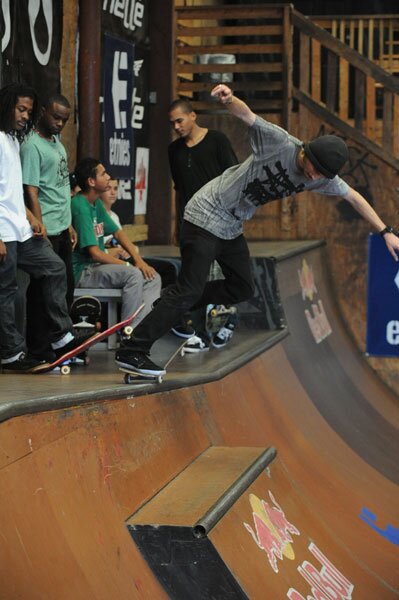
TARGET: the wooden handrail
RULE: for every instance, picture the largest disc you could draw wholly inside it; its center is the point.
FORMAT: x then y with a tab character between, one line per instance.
305	25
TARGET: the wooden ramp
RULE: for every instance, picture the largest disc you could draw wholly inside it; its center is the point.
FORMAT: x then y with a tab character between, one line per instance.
74	480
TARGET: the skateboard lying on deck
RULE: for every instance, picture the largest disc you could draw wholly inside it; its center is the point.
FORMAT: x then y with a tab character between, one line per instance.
217	316
65	369
163	353
86	313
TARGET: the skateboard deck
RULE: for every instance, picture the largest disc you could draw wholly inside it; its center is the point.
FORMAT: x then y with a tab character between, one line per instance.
163	353
63	360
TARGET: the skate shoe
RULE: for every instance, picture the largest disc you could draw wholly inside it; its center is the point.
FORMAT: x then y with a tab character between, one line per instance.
197	343
139	362
183	331
225	333
78	339
23	364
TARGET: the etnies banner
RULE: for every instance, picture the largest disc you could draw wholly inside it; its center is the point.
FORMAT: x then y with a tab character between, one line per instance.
31	43
118	69
383	300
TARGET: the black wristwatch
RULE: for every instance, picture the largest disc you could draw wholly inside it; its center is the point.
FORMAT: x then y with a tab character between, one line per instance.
386	230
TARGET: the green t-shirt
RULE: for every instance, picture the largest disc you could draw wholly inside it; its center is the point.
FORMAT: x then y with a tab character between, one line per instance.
91	222
45	166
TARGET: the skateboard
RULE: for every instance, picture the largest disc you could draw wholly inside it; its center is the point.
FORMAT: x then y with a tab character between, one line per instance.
64	361
163	353
217	316
86	312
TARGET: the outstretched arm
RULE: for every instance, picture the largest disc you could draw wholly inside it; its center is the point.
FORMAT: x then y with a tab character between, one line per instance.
237	107
367	212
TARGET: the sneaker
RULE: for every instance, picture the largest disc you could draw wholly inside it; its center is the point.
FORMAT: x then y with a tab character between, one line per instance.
197	343
183	331
225	333
77	340
46	356
139	362
23	364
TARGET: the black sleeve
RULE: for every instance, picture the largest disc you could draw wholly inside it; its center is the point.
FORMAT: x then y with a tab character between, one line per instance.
226	154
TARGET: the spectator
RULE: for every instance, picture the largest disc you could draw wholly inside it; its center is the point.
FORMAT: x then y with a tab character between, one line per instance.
23	243
45	177
93	267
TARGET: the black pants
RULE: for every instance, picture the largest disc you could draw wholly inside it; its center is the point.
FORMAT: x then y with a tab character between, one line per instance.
37	339
198	249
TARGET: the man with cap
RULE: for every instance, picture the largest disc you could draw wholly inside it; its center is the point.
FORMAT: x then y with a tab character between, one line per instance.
280	165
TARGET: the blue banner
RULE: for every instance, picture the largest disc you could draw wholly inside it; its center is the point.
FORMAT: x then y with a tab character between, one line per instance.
383	300
118	69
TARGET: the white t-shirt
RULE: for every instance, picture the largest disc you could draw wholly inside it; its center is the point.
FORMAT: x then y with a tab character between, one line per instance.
14	226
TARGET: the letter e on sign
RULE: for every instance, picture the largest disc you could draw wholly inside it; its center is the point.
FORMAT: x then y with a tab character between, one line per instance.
393	333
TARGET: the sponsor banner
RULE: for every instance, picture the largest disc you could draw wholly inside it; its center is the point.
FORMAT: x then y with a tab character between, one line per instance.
382	300
141	181
118	69
127	19
36	60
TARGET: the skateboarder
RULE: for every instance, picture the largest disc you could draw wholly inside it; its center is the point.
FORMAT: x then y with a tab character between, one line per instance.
93	267
280	165
195	157
22	241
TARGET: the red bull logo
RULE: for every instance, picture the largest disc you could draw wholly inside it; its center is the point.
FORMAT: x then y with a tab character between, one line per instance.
306	279
272	530
326	583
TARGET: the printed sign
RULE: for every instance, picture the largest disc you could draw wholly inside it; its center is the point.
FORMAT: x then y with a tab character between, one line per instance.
316	317
118	68
127	19
383	300
141	181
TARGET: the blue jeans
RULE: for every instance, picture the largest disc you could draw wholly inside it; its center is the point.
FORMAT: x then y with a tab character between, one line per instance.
199	249
36	257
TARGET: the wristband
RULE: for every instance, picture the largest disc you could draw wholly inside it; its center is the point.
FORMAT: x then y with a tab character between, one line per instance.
386	230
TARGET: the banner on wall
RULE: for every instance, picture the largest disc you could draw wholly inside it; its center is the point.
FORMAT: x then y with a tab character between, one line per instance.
382	301
31	43
127	19
118	69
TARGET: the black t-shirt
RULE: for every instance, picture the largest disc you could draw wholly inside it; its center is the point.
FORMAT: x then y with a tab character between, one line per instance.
193	167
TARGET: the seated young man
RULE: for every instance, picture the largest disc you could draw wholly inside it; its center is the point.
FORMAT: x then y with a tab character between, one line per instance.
23	244
95	268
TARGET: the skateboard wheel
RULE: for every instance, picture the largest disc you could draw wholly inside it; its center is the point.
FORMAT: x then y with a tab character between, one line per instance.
65	369
128	330
182	352
214	312
160	380
127	378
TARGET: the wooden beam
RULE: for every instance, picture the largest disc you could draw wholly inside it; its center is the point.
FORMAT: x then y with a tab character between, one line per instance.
230	49
370	108
316	69
287	69
387	120
346	129
205	86
231	12
230	31
343	98
235	68
304	60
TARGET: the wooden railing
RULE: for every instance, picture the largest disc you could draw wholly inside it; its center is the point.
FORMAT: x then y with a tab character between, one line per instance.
257	39
330	72
374	36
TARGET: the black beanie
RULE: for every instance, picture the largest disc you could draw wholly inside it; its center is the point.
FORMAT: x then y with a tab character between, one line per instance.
328	154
